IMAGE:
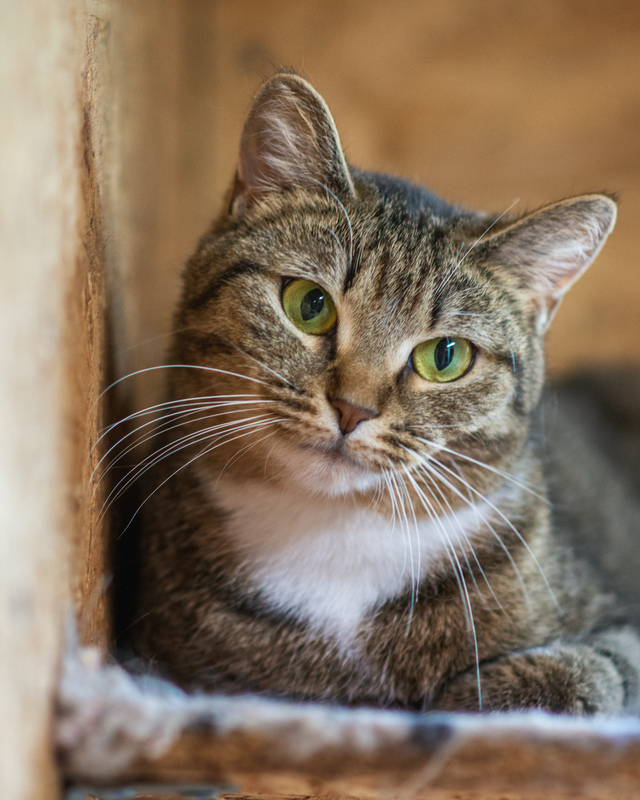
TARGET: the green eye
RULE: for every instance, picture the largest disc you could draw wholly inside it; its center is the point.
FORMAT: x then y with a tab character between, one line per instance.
442	359
309	307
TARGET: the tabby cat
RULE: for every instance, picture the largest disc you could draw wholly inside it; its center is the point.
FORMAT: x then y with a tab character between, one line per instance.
346	499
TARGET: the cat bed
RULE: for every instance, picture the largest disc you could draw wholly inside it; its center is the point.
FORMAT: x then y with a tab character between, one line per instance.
123	736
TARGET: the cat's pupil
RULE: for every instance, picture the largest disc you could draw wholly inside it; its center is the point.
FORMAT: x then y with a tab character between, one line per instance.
444	352
312	304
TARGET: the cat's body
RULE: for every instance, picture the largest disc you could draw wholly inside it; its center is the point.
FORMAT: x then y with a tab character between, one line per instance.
349	502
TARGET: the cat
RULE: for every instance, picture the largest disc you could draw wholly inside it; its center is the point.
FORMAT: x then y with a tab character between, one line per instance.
346	500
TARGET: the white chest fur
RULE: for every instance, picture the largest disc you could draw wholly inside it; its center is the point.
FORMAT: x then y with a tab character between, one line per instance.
324	559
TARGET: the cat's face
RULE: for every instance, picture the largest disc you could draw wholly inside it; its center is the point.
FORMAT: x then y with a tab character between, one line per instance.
364	335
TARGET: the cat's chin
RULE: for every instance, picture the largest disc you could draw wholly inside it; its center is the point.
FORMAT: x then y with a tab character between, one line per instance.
325	472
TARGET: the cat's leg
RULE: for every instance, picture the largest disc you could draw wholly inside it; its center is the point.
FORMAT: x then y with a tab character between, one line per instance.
601	676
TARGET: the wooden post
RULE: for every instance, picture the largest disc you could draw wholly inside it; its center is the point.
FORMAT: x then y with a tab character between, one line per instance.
98	99
43	278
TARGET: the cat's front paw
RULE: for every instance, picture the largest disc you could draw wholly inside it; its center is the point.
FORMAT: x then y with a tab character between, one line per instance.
563	679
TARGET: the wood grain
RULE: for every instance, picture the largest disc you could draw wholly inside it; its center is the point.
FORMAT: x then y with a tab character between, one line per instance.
40	222
115	732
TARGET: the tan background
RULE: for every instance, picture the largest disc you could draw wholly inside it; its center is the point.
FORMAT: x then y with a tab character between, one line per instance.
484	101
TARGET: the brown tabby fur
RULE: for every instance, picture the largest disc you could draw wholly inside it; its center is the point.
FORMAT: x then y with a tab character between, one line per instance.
509	618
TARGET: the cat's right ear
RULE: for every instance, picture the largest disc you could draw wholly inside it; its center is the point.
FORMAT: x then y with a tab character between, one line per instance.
289	140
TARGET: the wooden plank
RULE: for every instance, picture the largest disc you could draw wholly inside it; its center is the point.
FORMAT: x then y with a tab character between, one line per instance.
53	301
40	221
115	732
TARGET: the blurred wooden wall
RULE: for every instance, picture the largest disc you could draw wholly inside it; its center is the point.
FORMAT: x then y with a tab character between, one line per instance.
52	362
484	101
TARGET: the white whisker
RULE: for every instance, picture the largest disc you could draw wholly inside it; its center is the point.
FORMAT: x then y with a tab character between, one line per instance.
169	404
510	524
527	487
404	522
203	452
479	518
174	447
264	366
429	469
458	263
335	236
341	206
459	573
471	314
479	521
239	454
463	534
365	239
177	366
161	426
415	573
386	474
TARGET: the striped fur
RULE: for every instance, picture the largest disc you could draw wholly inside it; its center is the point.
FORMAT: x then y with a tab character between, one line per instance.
413	561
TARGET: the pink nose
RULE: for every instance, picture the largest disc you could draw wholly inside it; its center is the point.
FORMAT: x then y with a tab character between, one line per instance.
351	415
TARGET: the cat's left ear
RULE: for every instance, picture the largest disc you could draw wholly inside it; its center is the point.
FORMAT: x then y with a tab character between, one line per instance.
551	248
289	140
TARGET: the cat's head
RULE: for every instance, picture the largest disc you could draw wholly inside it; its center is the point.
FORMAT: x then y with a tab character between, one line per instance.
361	331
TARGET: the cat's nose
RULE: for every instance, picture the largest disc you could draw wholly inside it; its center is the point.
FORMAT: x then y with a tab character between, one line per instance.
350	414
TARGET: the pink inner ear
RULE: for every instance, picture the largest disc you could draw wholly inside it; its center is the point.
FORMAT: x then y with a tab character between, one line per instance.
289	139
276	140
552	247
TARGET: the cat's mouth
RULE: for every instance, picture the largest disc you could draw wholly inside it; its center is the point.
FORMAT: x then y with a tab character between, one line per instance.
333	452
328	468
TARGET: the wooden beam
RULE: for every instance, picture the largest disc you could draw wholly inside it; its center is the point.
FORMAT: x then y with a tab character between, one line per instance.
41	284
115	731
